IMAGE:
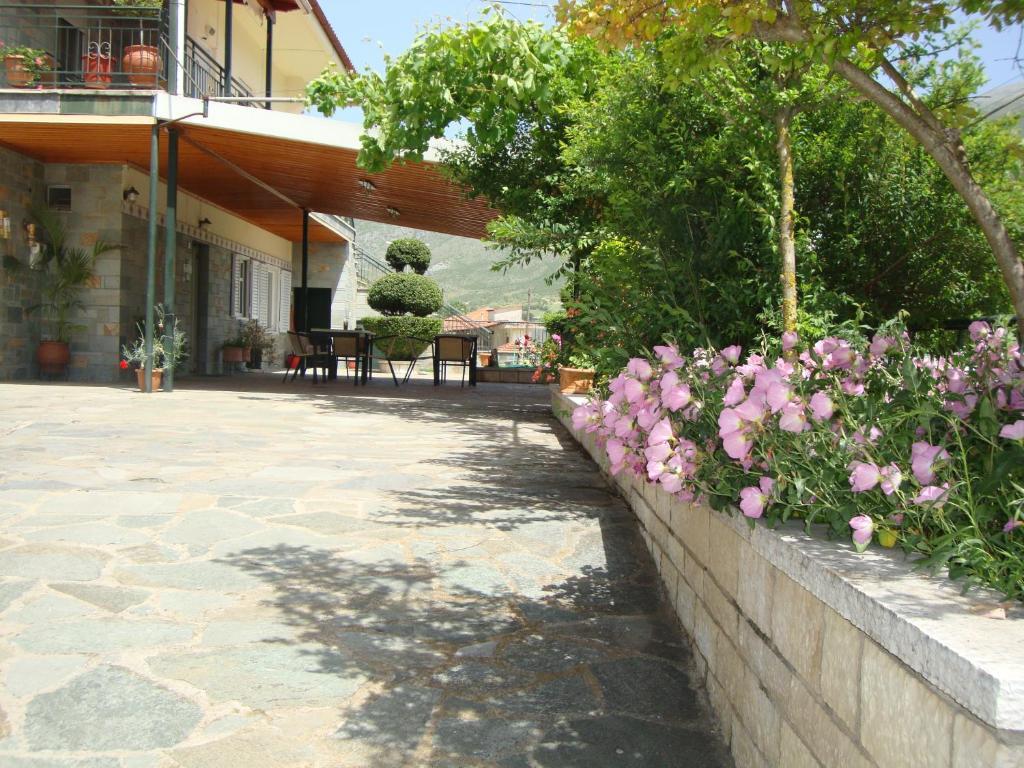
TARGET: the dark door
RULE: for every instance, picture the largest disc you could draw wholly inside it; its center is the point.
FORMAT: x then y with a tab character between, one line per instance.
319	308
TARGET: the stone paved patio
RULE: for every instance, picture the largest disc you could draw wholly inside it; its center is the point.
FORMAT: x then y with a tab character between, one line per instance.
255	575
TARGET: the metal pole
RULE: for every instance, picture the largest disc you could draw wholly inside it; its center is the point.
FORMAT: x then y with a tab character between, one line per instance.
305	270
170	251
228	12
174	26
270	56
154	178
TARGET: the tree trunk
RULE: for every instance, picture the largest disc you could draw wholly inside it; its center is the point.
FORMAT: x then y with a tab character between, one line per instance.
948	152
787	245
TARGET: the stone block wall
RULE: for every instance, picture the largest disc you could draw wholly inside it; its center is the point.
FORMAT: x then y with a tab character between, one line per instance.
330	266
21	188
798	657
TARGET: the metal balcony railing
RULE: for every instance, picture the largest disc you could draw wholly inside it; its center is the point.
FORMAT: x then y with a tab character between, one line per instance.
83	46
368	268
204	76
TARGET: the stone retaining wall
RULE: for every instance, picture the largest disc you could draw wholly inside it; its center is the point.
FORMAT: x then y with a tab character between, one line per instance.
816	656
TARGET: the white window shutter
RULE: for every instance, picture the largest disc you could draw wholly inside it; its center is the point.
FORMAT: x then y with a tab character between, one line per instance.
285	295
265	291
236	285
254	289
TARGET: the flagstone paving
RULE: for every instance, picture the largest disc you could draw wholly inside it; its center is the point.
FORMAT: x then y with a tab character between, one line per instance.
256	575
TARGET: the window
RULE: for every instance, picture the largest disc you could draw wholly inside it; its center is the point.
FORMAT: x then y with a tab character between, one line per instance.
59	198
260	292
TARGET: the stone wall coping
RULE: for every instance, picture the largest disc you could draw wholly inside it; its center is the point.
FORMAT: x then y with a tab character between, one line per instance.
970	646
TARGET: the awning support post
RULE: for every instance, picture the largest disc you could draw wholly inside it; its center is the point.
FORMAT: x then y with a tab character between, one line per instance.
154	178
305	270
170	251
228	13
270	55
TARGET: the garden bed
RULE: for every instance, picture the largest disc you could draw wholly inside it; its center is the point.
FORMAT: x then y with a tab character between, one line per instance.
814	654
503	375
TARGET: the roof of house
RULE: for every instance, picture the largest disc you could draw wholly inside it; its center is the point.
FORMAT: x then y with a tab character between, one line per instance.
461	324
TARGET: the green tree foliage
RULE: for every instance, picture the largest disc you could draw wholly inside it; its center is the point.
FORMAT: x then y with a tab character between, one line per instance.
874	45
405	293
408	252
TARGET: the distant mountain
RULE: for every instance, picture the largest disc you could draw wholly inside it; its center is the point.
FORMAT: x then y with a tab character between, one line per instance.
1005	100
462	267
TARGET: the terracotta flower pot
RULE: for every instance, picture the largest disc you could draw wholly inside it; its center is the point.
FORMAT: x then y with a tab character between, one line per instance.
18	75
53	357
157	377
142	64
485	359
236	355
96	70
575	380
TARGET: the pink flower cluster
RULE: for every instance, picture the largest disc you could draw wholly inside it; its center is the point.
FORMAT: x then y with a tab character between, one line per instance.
767	430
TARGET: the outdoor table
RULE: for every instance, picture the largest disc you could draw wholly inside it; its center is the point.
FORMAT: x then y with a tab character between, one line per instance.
345	343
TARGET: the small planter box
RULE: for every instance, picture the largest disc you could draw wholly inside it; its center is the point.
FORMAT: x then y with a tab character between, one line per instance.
495	375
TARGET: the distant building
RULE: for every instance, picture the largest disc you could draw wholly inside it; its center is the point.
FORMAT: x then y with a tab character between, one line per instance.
498	329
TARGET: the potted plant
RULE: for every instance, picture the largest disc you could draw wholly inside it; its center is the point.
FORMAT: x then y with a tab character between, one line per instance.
62	273
235	351
167	354
141	62
25	66
259	342
96	65
578	376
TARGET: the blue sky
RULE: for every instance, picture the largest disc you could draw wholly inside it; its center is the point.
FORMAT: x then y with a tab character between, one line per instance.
369	28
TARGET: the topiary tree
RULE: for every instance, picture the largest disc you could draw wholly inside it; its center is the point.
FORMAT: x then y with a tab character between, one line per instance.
408	252
404	293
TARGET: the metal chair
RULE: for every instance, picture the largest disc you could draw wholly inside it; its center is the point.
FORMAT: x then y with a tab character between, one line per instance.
352	345
309	356
452	349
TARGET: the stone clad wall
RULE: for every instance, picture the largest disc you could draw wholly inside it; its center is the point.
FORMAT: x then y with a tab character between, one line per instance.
794	682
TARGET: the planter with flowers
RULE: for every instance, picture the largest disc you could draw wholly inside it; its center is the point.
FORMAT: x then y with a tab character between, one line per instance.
573	371
26	67
167	353
257	340
142	62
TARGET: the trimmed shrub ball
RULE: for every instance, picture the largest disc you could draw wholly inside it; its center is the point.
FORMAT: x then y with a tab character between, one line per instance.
403	293
408	252
408	330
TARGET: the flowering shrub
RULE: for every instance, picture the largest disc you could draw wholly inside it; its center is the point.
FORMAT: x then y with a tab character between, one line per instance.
871	440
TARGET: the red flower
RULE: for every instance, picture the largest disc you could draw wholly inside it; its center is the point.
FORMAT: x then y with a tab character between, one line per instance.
124	365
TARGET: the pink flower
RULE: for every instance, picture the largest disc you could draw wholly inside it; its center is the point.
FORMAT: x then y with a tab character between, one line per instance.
729	421
671	482
1013	431
1012	524
778	395
661	433
892	477
979	330
793	418
658	452
639	368
749	410
821	406
634	390
753	500
737	444
669	355
862	526
735	393
864	477
557	338
616	451
922	456
842	356
647	417
881	344
732	354
789	340
674	395
932	495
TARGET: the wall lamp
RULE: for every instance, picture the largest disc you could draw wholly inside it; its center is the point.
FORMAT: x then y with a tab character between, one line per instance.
368	185
204	223
131	195
32	240
5	225
394	213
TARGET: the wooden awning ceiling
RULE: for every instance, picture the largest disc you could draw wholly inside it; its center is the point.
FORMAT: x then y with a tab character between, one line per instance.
314	176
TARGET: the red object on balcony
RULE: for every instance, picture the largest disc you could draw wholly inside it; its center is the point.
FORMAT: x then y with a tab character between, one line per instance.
96	66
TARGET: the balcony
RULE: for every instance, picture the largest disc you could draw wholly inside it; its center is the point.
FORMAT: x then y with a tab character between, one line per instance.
101	47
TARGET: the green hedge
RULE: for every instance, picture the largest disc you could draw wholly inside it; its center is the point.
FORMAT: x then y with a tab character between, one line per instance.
408	252
425	328
402	292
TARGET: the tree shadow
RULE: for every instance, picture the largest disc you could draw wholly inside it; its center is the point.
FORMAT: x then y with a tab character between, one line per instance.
462	668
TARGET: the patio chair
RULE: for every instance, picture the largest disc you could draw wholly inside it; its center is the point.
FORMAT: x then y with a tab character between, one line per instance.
351	345
400	349
309	356
451	349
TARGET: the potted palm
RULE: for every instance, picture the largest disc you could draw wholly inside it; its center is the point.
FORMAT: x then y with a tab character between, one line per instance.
142	62
63	273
